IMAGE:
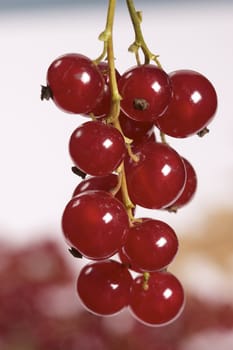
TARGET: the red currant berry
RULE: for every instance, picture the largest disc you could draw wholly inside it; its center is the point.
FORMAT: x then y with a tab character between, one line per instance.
76	83
151	245
104	287
135	130
146	92
97	148
102	108
157	178
126	261
192	107
189	188
95	223
157	301
102	183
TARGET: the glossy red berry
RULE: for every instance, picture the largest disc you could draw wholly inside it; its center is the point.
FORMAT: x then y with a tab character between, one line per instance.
102	108
76	83
103	183
146	92
193	104
189	189
96	148
158	301
104	287
151	245
157	178
125	260
135	130
95	223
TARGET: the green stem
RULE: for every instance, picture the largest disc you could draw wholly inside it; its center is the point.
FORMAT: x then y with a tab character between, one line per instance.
107	37
136	18
163	137
146	276
102	56
113	116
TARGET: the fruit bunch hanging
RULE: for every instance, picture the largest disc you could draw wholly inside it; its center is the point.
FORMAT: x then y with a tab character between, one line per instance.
128	166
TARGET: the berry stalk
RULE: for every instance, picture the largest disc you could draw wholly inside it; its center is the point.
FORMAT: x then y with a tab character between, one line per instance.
139	43
113	117
106	37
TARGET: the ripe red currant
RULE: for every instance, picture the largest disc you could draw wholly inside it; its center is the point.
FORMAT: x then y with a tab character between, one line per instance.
95	223
104	287
97	148
76	83
103	183
135	130
151	245
126	261
189	189
157	178
146	92
193	104
157	301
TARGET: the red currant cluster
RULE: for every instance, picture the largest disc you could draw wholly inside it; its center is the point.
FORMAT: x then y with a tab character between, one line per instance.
127	167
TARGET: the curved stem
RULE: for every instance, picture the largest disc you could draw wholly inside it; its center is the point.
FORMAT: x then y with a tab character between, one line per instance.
116	189
136	18
102	56
106	36
124	190
133	156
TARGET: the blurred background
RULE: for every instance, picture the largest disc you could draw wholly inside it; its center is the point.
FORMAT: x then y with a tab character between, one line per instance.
39	309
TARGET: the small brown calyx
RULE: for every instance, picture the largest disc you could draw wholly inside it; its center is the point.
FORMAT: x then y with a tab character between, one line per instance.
203	132
140	104
46	93
78	172
172	209
75	253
